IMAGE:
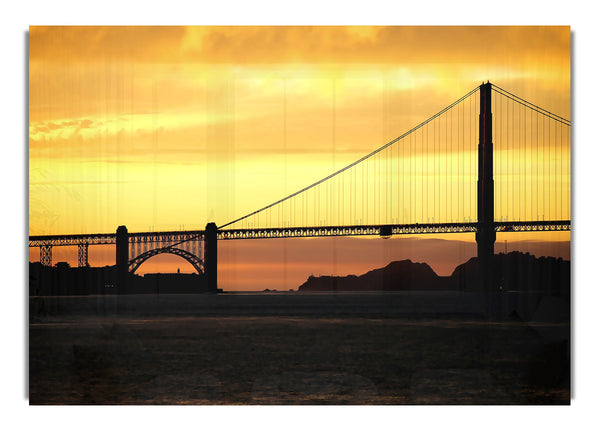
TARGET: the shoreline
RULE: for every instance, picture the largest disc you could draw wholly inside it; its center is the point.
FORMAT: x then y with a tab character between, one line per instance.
504	306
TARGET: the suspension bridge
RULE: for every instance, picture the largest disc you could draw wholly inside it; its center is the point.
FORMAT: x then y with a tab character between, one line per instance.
489	162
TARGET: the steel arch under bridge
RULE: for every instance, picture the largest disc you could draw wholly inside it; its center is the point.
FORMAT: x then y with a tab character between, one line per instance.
196	262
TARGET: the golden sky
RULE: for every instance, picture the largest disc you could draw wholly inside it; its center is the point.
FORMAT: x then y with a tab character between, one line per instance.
172	127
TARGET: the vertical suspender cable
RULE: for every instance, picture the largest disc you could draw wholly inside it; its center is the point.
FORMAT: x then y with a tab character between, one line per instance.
446	170
559	213
374	178
521	165
422	184
470	155
531	162
537	168
546	169
497	147
562	217
506	173
318	206
394	182
387	180
549	175
436	159
363	185
406	180
352	196
555	172
413	194
499	119
410	180
512	164
340	197
426	173
365	166
397	179
519	161
543	169
377	189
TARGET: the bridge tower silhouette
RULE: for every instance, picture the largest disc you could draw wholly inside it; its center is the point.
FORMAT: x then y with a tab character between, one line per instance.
122	254
210	256
486	232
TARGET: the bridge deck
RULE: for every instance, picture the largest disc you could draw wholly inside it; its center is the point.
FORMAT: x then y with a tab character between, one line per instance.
300	232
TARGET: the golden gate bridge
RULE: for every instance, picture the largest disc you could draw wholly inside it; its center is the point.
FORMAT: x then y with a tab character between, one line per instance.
464	169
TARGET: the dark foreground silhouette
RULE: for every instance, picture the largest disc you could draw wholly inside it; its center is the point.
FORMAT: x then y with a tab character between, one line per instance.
62	279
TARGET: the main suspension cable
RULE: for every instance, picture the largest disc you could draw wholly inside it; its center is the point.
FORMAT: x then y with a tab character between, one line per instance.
531	105
378	150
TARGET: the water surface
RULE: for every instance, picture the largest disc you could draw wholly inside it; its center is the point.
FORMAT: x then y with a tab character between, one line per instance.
292	348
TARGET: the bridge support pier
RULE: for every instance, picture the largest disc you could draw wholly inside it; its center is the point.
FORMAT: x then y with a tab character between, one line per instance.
82	255
486	233
210	256
122	259
46	254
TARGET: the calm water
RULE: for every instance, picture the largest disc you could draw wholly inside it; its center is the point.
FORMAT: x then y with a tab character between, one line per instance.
297	348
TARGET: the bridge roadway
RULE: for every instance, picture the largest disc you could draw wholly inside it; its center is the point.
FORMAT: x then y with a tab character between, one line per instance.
172	237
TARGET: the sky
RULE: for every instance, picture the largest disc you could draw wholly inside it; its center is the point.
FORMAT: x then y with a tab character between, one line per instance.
166	128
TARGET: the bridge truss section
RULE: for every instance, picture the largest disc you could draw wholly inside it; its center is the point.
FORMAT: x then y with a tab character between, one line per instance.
190	242
388	230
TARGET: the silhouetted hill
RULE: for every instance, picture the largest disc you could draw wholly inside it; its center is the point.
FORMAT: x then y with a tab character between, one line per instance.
514	271
399	275
519	272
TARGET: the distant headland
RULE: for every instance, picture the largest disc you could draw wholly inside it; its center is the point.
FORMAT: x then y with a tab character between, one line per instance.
514	271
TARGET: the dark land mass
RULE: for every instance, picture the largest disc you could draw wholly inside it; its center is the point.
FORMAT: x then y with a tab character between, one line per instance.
400	275
514	271
62	279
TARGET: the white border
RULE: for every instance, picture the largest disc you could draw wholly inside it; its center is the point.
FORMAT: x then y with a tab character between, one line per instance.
579	14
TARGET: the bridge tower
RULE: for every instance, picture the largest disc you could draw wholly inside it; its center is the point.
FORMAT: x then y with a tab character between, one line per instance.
210	256
486	233
122	258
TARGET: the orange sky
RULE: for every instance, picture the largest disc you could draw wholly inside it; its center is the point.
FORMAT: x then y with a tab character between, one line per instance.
171	127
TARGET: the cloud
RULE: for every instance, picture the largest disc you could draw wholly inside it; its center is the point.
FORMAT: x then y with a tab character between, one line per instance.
284	44
98	44
49	130
64	183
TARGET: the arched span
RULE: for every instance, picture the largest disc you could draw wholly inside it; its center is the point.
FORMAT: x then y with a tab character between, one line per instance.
196	262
